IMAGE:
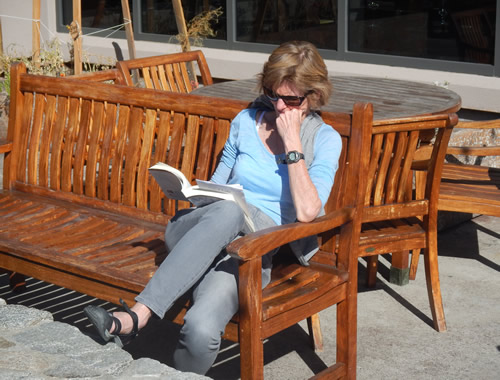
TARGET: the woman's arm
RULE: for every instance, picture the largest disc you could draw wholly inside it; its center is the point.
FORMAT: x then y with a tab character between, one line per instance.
304	194
229	153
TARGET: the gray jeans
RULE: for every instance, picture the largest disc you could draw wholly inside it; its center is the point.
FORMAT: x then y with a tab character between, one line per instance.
196	239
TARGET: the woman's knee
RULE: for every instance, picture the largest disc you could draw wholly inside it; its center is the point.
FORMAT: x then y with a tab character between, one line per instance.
229	211
200	336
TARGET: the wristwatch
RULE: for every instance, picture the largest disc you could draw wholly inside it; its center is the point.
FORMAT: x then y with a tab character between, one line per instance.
294	156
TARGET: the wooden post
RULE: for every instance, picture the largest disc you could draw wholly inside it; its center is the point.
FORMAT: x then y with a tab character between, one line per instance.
182	29
35	33
1	38
129	31
77	37
181	24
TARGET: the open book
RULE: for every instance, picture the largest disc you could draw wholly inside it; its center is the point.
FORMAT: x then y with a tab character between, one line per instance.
175	185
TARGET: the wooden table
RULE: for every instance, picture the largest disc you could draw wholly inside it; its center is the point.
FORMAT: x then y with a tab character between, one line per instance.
390	98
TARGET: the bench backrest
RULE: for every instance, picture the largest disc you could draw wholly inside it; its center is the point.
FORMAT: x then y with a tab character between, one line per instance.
98	140
170	72
94	142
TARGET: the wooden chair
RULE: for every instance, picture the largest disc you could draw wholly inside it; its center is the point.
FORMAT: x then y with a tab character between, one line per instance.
468	188
394	220
169	72
476	34
298	292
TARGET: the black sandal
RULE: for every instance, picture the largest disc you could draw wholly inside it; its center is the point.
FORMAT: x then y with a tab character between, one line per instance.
103	320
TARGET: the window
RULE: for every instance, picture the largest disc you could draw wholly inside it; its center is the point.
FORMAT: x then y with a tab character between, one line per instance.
272	22
460	30
158	17
452	35
96	13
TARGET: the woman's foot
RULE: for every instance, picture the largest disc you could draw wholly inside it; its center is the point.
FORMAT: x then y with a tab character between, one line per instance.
126	320
120	326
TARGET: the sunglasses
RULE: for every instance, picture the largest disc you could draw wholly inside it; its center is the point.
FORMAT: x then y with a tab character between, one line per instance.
289	100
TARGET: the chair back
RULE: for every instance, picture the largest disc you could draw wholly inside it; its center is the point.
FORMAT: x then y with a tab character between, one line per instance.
169	72
394	157
476	34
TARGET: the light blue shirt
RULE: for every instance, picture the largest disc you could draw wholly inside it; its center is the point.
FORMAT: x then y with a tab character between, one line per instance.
246	161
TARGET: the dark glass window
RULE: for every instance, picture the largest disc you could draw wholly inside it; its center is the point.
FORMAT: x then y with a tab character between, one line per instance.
157	16
273	22
457	30
99	14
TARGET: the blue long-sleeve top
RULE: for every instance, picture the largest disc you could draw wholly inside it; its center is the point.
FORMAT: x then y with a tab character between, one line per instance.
246	161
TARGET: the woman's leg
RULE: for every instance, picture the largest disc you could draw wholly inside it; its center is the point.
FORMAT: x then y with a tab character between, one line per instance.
194	239
215	301
199	237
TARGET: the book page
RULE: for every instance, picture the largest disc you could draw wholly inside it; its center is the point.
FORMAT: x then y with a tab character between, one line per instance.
171	180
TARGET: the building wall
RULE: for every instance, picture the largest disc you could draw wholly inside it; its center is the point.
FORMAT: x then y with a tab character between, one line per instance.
477	92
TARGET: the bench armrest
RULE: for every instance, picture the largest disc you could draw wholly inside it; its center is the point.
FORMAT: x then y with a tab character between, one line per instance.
474	150
5	146
257	244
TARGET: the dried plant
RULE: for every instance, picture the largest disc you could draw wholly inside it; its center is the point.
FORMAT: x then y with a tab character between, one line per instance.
199	28
50	60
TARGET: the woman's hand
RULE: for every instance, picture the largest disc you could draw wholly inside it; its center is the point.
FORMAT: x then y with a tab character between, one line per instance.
288	125
304	194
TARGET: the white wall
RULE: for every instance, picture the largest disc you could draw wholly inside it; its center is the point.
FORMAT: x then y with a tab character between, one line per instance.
16	16
477	92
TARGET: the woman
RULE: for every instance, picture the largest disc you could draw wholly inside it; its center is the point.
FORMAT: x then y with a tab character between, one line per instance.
285	157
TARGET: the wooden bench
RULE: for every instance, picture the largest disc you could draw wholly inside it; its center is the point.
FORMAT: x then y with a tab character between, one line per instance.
468	188
80	210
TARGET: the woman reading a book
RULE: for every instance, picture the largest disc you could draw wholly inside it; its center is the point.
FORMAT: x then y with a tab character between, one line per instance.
285	157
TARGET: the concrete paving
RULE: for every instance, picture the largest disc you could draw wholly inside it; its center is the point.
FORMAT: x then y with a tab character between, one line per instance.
395	335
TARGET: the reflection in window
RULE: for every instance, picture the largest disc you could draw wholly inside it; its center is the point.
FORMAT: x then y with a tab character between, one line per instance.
99	14
157	16
460	30
276	21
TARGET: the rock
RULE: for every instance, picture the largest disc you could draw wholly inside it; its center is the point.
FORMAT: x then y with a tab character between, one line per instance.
18	317
33	346
152	369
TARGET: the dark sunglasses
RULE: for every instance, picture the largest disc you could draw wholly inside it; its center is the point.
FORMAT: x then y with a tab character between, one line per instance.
289	100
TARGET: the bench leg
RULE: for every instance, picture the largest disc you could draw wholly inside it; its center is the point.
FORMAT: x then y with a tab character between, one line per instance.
17	282
399	268
315	332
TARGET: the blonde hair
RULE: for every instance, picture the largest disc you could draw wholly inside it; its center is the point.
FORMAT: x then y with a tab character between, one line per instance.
300	63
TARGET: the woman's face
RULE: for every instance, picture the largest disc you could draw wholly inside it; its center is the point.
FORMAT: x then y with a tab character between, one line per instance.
289	89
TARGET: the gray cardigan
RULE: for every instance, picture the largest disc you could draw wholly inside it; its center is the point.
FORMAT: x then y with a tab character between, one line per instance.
305	248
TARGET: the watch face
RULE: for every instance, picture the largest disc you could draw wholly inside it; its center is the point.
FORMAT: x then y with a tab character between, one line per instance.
293	157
